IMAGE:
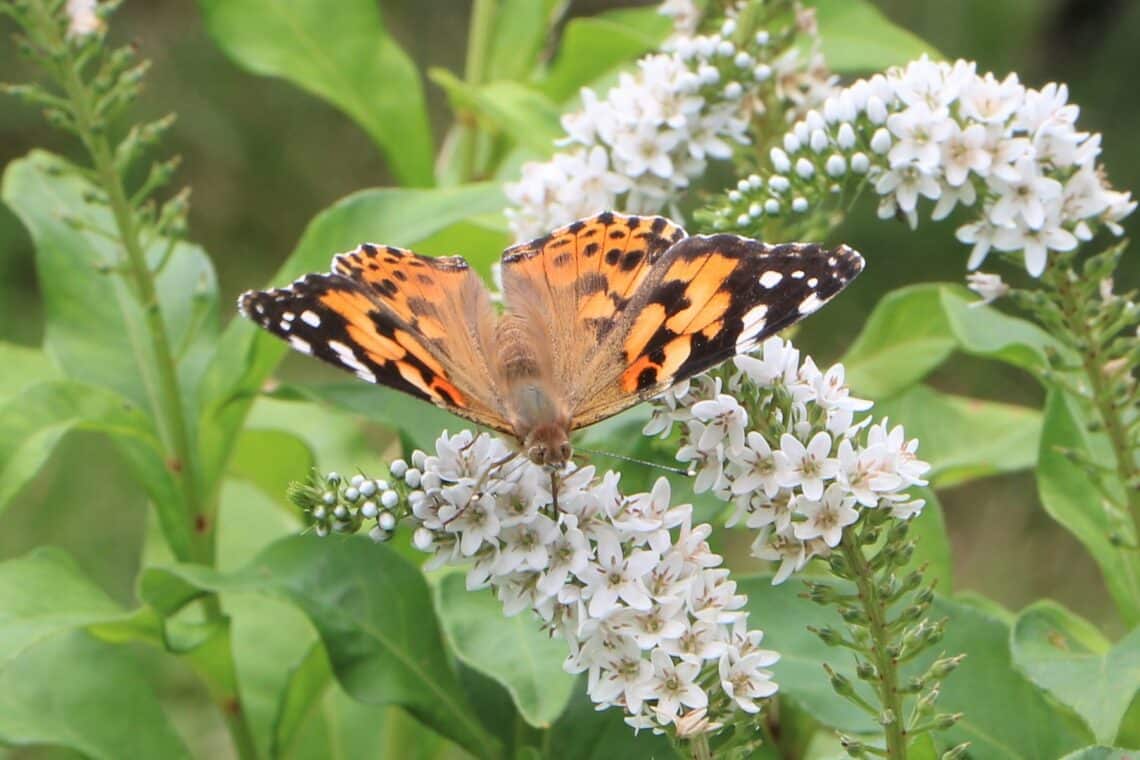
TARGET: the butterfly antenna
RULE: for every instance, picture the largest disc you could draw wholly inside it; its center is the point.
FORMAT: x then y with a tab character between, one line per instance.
634	460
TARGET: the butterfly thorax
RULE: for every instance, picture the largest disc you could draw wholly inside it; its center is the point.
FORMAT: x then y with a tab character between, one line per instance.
536	413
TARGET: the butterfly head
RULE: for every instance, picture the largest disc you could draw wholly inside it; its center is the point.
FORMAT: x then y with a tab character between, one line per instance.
548	445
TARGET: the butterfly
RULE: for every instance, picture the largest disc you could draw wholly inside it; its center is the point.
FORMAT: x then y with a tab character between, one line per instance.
598	316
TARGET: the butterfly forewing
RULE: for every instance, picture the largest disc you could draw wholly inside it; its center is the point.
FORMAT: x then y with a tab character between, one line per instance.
707	299
428	339
577	281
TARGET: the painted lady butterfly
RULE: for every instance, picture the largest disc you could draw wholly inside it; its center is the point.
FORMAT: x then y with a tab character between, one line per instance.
600	314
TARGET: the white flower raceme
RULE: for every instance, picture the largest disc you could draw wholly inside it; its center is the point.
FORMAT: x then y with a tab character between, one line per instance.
942	132
629	582
640	145
803	477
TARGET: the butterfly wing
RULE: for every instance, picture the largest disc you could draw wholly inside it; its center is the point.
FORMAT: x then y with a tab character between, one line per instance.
706	299
417	324
571	286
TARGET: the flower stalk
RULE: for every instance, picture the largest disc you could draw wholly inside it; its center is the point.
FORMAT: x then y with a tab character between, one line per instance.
93	86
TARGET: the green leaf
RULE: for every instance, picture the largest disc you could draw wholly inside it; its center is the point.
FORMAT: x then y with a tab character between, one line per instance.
418	422
1071	497
521	28
513	651
985	331
906	336
1072	660
372	610
23	366
95	327
305	682
526	115
270	459
845	26
932	550
32	424
593	46
965	438
346	57
1101	753
584	733
1005	715
59	685
246	355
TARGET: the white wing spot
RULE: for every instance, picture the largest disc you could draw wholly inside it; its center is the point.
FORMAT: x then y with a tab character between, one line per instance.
771	279
813	282
311	318
810	304
288	316
300	344
798	274
349	359
285	326
832	261
753	321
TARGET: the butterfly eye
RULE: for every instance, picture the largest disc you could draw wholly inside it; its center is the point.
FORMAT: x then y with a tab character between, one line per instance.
537	454
564	452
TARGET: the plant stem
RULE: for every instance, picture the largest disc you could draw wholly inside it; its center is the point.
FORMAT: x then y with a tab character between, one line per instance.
887	669
1092	362
699	747
163	387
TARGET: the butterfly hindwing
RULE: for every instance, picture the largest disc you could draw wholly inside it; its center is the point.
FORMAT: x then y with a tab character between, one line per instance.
707	299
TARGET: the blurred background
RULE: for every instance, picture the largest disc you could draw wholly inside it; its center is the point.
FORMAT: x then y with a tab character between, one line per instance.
263	158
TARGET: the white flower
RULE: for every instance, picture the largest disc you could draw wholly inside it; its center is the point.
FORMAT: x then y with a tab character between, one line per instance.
827	517
989	286
743	679
724	420
808	466
615	577
83	18
672	685
918	132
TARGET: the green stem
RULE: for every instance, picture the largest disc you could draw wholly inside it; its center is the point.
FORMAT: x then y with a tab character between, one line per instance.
466	148
163	387
699	747
1092	362
887	683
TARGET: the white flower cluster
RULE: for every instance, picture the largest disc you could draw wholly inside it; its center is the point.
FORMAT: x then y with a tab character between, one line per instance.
943	132
628	581
806	474
653	133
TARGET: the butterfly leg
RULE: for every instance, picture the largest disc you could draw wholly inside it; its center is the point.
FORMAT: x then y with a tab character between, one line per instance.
477	490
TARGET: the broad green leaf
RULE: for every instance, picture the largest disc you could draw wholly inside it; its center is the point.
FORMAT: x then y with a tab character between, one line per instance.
1005	715
23	366
511	650
932	550
305	682
95	327
372	610
985	331
1072	499
965	438
246	355
845	26
346	57
593	46
1072	660
33	422
905	337
584	733
418	422
520	29
524	114
59	685
1101	753
270	459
